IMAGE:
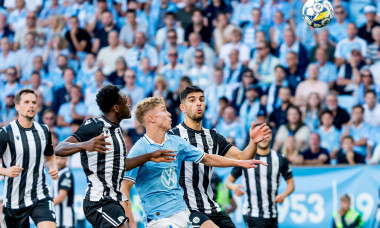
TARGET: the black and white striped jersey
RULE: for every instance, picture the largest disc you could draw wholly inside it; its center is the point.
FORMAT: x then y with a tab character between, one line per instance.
104	171
261	184
64	211
26	148
195	179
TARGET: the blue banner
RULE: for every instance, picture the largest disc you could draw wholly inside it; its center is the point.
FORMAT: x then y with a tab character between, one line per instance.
316	196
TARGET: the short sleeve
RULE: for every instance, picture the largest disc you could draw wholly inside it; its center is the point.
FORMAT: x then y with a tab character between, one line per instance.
65	182
237	172
49	151
223	144
190	153
3	141
88	130
286	168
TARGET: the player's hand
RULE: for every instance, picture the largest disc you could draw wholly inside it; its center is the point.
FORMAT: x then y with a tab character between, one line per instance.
280	198
54	173
259	133
238	189
14	171
97	144
250	163
163	156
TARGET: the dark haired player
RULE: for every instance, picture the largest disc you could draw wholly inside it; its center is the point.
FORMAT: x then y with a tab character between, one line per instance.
103	157
24	144
195	179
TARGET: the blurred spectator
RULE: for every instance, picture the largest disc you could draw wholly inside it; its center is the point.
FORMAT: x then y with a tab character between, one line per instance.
327	70
365	32
127	33
75	109
341	116
101	36
236	43
295	127
49	119
195	44
78	38
311	85
295	72
171	39
83	11
55	79
315	155
108	55
56	27
347	155
375	68
338	29
241	14
311	111
373	47
238	94
346	215
358	130
173	71
8	112
214	8
223	104
141	49
222	32
233	69
250	29
201	74
366	84
264	64
49	10
185	14
17	18
279	115
131	89
306	35
330	135
7	57
38	66
277	29
145	76
5	31
87	71
198	26
61	95
231	127
170	20
273	6
136	133
56	46
345	47
289	45
97	23
12	86
31	27
117	77
41	107
93	88
324	43
26	55
273	100
35	84
157	11
250	108
371	109
349	73
290	151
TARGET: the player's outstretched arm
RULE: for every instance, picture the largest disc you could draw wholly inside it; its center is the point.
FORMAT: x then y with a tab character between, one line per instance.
219	161
71	145
126	186
236	188
157	156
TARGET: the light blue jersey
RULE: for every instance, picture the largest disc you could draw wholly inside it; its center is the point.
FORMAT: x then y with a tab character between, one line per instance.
157	183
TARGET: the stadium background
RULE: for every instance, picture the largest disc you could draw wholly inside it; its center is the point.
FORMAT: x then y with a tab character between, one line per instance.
53	55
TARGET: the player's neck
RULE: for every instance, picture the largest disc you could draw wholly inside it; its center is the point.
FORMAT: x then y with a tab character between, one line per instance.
193	124
25	122
156	134
263	151
112	117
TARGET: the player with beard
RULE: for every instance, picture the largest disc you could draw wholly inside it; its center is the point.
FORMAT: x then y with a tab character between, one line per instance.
261	185
195	179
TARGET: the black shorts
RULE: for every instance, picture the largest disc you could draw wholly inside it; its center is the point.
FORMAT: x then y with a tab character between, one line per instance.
220	219
104	213
253	222
41	211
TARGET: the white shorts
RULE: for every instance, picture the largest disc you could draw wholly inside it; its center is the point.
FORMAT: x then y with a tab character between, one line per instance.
179	220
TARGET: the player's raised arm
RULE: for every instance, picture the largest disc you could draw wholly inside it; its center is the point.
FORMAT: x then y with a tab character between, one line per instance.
219	161
157	156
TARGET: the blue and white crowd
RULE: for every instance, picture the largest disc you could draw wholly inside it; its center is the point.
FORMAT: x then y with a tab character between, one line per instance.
256	60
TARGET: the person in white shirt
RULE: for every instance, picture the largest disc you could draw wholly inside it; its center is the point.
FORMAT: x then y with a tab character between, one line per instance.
108	55
201	74
170	19
345	46
236	43
371	109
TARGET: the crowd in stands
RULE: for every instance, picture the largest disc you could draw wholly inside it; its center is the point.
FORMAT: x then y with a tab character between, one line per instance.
256	60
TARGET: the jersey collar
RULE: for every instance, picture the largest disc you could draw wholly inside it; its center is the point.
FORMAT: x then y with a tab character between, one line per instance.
151	142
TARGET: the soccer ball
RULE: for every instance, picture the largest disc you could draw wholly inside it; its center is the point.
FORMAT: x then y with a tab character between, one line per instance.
317	13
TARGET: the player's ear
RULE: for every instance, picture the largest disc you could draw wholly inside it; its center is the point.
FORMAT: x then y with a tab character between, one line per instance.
17	107
182	107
